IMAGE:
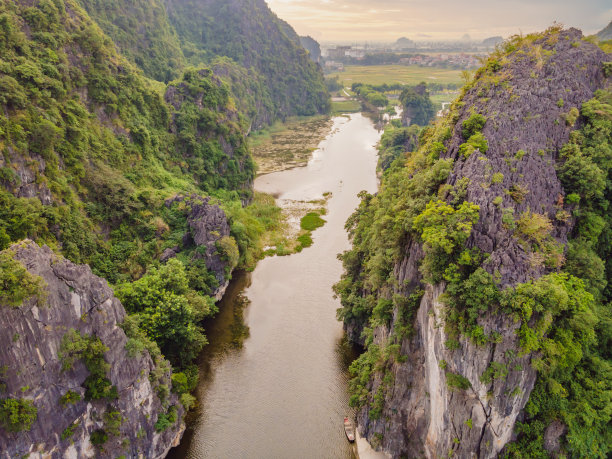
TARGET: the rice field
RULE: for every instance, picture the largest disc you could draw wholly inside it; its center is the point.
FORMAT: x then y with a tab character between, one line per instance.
403	74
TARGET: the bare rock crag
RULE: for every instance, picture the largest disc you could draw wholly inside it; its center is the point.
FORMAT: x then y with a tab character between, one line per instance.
30	339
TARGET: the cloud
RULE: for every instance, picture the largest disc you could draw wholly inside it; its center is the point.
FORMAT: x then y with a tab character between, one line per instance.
385	20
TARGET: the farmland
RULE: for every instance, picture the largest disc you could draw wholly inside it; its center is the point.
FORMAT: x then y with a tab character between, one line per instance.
403	74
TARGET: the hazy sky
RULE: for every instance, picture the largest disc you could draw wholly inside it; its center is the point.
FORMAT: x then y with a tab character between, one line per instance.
387	20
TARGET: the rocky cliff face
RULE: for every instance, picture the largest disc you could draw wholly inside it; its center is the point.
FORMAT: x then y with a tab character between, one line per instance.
529	100
313	47
30	342
208	225
423	415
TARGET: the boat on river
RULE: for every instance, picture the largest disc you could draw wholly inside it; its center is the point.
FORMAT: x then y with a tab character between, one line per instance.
349	429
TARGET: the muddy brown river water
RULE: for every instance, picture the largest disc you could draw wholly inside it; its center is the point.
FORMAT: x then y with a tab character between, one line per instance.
282	391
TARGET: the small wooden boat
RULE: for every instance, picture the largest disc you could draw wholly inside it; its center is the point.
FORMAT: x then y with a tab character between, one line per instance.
349	429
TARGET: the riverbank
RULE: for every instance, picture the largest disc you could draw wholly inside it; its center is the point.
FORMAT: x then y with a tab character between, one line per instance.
287	145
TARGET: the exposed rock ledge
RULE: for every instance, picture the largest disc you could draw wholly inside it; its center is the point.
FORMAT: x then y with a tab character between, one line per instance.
30	338
207	225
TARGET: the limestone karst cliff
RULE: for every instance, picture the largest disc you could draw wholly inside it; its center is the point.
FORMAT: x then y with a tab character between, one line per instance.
464	284
94	391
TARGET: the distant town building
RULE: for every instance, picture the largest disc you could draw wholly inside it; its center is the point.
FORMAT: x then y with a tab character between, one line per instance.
356	53
339	52
333	65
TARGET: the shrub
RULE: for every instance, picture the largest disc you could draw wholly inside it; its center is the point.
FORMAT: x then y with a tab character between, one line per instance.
167	419
69	431
572	116
229	251
498	177
98	437
112	422
508	218
17	415
475	142
496	370
383	311
444	230
69	398
473	125
188	401
452	344
534	227
518	192
91	351
580	175
311	221
573	198
455	381
17	284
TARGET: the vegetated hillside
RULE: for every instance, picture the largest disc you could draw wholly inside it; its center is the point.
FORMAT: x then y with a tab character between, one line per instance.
144	183
269	77
141	31
250	34
88	144
479	276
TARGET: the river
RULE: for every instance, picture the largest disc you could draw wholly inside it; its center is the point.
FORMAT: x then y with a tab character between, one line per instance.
282	393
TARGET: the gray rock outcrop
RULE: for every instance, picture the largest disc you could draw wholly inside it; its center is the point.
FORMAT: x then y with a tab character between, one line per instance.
207	225
30	339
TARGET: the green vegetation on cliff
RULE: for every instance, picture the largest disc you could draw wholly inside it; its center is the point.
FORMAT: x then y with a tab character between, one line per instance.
17	415
92	152
101	147
258	55
141	31
148	182
424	213
575	383
265	44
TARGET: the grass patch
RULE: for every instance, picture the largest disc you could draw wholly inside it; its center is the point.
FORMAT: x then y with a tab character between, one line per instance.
345	106
311	221
305	241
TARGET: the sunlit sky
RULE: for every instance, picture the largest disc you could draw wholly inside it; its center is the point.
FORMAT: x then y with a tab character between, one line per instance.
387	20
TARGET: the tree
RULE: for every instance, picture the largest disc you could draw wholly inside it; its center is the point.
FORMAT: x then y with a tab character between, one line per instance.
169	311
418	108
17	415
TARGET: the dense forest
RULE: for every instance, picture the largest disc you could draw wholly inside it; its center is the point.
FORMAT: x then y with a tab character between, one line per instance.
479	278
269	72
124	148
